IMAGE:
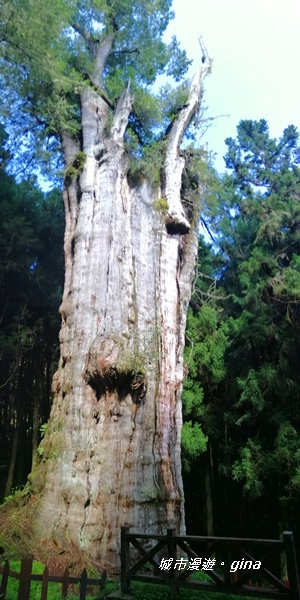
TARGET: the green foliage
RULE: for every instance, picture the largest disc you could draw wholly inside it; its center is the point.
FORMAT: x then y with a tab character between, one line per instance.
199	181
243	327
146	135
40	451
43	429
44	71
147	112
192	397
31	225
206	343
31	279
161	205
75	168
207	354
54	589
144	591
15	492
173	100
146	164
193	443
248	468
261	274
79	161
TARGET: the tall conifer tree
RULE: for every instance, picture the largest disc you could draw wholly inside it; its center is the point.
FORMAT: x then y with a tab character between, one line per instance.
79	78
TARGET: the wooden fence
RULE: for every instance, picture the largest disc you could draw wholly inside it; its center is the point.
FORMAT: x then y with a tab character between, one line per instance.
229	562
26	576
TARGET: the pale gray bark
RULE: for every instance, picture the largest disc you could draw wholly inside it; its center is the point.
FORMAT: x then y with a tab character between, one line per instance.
111	453
174	163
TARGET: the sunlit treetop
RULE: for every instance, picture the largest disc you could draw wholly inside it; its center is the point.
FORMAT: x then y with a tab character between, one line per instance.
254	157
49	51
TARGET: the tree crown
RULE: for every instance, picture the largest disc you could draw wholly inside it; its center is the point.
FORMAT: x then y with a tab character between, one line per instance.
69	45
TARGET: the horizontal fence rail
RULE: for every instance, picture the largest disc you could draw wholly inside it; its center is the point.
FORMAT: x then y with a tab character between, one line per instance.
25	576
231	565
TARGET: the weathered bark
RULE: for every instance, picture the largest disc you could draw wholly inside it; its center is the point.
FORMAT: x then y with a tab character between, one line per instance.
36	402
111	453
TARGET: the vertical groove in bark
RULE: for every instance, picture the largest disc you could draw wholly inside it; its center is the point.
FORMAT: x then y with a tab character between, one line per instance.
111	453
35	424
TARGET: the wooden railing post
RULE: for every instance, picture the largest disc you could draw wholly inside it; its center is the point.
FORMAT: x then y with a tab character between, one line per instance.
24	583
227	560
292	567
45	581
83	585
172	554
65	583
125	581
4	580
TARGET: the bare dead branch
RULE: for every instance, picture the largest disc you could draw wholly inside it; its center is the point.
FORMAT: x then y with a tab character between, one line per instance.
126	51
85	36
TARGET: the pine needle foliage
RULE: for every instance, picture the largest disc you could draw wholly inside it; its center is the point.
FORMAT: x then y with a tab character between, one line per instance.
243	341
48	55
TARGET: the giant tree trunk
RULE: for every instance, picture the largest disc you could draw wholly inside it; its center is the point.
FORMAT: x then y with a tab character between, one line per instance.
111	453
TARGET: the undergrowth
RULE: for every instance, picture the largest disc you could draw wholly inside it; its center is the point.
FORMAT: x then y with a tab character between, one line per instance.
54	589
144	591
138	591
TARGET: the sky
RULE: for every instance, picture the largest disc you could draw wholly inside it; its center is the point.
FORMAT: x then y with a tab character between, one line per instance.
255	46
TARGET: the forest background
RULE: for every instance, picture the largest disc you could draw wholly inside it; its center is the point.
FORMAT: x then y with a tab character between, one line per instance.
240	440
